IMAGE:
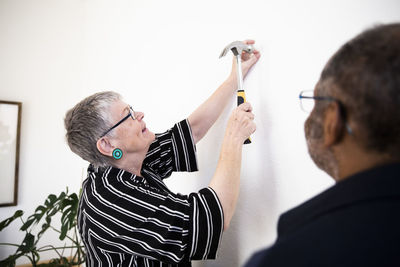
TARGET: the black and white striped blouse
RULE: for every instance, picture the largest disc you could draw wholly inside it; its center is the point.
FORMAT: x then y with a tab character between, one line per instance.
127	220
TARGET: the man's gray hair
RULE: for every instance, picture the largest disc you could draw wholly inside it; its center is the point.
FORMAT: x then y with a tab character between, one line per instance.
364	74
86	122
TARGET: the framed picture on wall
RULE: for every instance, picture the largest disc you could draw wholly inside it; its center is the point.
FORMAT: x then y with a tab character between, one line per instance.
10	124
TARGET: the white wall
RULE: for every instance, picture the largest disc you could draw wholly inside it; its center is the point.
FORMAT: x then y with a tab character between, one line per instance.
162	56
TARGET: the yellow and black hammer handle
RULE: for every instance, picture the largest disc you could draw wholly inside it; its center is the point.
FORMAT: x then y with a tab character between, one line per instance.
241	98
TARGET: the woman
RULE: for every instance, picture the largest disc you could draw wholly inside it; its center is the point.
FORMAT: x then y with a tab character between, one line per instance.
127	215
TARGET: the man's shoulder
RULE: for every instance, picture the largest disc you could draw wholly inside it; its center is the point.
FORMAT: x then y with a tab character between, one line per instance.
357	219
365	190
365	234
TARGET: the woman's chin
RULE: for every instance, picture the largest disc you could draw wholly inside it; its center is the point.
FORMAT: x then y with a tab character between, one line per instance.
149	134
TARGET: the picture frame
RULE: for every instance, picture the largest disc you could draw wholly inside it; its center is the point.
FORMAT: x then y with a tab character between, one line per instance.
10	131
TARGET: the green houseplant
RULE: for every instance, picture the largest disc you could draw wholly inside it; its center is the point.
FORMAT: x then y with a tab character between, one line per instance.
38	223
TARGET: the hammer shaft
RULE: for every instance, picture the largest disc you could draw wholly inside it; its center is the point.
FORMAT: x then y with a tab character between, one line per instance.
239	72
241	98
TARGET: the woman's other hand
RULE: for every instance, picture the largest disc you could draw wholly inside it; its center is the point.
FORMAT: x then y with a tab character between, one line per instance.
241	123
248	60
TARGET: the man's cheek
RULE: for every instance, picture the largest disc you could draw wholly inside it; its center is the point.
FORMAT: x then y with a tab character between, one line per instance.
308	124
313	127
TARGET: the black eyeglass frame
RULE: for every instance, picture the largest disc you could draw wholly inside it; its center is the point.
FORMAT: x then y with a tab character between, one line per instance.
328	98
131	114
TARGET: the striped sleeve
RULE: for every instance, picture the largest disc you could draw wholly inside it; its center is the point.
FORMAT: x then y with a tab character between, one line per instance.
122	216
173	150
206	224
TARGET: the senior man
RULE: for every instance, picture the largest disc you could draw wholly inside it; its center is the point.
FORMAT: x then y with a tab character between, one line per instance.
353	134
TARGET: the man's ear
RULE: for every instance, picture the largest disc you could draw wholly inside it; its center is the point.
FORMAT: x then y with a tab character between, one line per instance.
104	146
333	125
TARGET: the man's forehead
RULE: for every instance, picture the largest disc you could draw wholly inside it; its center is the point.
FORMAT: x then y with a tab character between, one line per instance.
323	86
317	88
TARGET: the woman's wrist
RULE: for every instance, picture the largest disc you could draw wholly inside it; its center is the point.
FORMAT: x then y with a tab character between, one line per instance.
232	140
231	82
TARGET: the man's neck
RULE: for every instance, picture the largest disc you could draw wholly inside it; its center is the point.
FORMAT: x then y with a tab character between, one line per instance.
354	160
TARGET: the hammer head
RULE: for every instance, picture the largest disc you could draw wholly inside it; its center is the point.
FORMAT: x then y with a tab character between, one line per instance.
237	48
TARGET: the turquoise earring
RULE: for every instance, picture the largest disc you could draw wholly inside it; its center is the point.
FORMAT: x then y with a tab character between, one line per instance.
117	153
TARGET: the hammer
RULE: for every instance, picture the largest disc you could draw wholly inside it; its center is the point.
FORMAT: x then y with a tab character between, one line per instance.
237	48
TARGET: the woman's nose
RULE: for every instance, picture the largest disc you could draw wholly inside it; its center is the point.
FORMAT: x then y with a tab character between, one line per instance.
139	115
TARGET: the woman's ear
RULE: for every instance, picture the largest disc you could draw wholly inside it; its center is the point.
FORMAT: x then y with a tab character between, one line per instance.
333	125
104	146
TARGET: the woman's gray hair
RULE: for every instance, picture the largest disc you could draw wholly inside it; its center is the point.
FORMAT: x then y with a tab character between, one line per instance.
86	122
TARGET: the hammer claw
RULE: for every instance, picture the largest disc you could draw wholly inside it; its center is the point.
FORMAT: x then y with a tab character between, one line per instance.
239	47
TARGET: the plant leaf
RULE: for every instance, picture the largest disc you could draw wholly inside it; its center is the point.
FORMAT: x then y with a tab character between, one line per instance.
6	222
40	212
10	260
67	205
70	210
28	223
51	199
45	226
28	245
64	231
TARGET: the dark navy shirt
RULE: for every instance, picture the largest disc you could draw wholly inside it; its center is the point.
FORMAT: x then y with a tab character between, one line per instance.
354	223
